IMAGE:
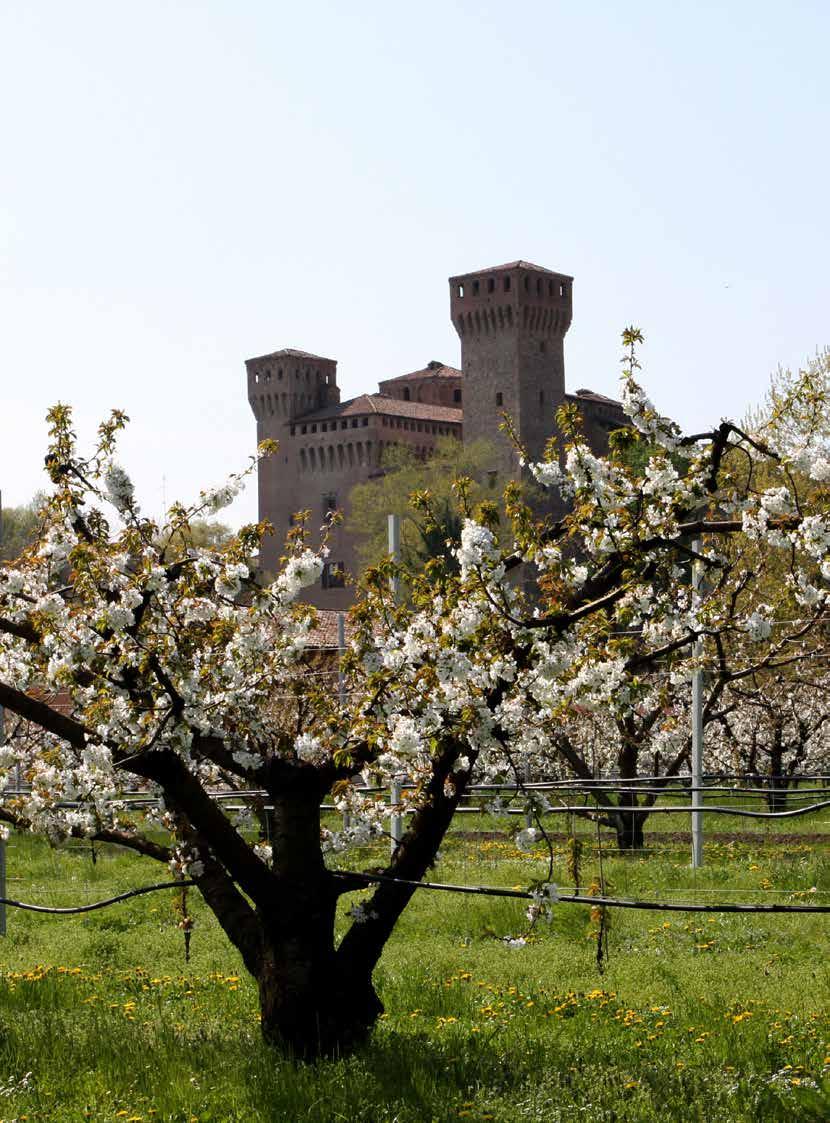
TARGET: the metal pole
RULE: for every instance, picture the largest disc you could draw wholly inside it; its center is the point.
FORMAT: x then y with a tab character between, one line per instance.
341	685
697	731
396	826
393	533
341	647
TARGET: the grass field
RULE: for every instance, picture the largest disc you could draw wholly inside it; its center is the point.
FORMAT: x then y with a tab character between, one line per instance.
694	1018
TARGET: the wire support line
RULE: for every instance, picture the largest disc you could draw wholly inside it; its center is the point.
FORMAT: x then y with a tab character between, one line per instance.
475	890
75	909
624	809
581	899
598	809
676	791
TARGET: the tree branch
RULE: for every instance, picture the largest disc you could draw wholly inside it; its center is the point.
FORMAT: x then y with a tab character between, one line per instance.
32	709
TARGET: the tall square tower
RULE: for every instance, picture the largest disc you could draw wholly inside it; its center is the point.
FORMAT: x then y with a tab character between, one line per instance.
512	320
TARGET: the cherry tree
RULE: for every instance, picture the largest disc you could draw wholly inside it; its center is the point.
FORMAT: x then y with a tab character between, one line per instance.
772	728
179	671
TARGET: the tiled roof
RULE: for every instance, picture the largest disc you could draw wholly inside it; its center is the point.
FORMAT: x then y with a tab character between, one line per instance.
324	632
289	353
431	370
511	265
591	395
383	404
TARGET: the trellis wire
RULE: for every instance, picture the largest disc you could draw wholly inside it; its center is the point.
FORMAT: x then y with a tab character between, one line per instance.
475	890
582	899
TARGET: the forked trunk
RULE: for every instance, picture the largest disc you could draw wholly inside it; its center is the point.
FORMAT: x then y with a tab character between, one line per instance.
308	1007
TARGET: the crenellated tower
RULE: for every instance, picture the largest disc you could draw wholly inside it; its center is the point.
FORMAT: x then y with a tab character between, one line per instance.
282	386
285	384
512	321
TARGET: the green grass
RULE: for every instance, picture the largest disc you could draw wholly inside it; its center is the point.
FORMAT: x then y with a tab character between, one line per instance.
695	1017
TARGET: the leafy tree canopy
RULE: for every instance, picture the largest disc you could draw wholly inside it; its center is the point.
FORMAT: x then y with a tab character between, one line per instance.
428	523
19	527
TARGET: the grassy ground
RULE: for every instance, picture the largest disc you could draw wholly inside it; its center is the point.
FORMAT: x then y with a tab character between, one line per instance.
694	1018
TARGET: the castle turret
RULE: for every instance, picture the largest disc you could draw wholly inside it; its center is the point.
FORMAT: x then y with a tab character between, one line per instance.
287	383
281	386
512	320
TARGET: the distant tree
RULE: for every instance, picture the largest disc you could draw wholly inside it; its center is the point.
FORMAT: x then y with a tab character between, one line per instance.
19	527
203	534
773	727
795	406
433	519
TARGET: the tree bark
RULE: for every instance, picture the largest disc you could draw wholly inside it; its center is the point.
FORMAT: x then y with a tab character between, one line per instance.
629	828
778	781
309	1007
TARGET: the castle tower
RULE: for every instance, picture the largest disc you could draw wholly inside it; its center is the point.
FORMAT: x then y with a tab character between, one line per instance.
285	384
282	386
512	320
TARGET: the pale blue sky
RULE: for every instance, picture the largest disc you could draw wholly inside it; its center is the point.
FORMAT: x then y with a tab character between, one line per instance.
184	185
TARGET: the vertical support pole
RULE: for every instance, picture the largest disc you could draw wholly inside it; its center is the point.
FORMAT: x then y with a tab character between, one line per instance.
341	685
2	842
396	826
341	647
393	537
697	733
393	531
2	886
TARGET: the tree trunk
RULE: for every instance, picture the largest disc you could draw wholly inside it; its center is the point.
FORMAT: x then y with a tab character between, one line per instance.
778	782
629	827
309	1008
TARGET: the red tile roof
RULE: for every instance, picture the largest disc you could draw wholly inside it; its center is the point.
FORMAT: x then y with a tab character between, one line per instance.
324	632
592	396
383	404
431	370
509	266
289	353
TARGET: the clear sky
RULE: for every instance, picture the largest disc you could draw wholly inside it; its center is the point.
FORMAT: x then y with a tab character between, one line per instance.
184	185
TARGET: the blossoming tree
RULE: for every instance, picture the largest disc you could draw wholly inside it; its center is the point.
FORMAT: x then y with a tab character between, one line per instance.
180	672
773	727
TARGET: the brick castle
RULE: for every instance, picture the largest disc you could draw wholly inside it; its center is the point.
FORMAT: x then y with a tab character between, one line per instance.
511	320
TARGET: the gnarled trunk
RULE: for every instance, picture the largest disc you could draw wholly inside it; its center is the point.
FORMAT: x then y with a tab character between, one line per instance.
308	1006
